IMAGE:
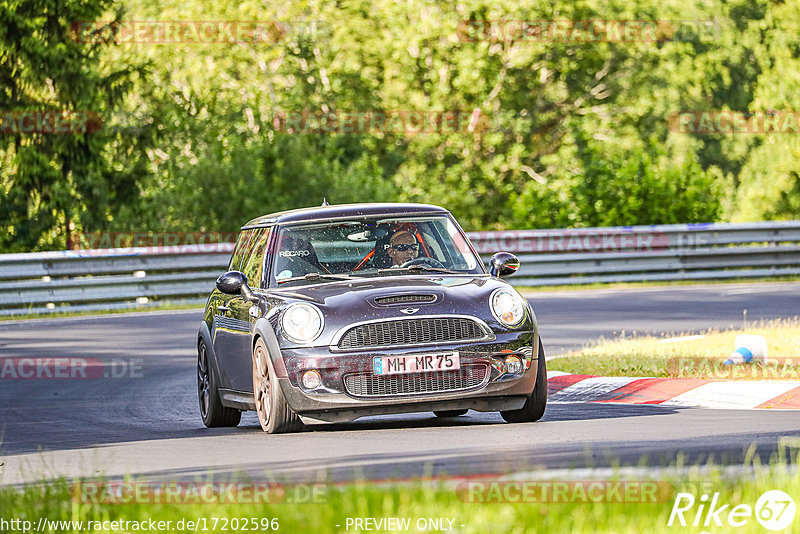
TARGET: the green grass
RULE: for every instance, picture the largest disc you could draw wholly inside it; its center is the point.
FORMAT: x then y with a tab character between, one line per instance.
432	499
697	356
82	313
661	283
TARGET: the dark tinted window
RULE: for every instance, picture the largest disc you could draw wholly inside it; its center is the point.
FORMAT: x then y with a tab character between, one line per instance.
238	251
253	263
360	247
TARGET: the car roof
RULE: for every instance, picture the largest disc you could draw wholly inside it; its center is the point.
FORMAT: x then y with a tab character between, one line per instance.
340	211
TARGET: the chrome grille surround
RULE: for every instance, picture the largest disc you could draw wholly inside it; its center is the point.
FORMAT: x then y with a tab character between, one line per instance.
411	332
470	376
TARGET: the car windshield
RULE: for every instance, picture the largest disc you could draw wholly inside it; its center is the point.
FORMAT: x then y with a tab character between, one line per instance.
396	246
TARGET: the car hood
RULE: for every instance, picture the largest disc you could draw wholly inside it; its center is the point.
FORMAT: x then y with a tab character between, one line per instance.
342	292
347	302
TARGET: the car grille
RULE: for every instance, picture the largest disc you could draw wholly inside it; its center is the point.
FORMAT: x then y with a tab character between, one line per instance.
404	299
370	385
417	331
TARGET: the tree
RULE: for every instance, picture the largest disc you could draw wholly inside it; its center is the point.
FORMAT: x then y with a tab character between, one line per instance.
55	180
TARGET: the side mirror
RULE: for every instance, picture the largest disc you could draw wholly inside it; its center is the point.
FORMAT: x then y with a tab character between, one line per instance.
235	283
503	264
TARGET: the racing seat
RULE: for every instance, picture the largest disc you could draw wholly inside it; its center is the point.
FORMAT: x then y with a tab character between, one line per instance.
380	258
297	256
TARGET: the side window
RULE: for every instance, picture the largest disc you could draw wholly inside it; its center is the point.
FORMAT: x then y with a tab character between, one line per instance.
462	254
238	251
254	259
434	246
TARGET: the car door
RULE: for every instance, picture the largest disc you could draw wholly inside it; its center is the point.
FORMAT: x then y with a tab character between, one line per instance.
242	321
227	328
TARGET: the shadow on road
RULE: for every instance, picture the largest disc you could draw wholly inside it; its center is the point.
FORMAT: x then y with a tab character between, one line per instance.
499	460
555	412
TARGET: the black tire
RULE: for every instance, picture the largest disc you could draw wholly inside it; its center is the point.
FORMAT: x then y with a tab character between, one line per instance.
213	413
534	407
274	413
450	413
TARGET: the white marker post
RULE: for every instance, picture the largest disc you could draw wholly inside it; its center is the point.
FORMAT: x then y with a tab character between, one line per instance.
749	348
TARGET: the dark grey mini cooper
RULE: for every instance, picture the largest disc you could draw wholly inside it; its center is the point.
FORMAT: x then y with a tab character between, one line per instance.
338	312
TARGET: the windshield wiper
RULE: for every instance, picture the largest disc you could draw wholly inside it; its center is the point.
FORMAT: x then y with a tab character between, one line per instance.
315	277
418	269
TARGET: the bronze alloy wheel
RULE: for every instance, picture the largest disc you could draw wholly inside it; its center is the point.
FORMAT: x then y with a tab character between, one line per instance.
274	413
261	385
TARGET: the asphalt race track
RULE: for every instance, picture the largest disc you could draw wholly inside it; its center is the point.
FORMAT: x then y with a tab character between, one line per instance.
142	415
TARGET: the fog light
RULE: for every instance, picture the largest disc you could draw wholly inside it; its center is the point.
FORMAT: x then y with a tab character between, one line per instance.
513	365
311	379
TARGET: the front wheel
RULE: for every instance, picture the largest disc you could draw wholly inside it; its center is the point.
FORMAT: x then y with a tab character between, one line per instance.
274	413
534	406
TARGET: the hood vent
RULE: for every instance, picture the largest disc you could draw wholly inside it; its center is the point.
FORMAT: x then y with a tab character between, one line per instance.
397	300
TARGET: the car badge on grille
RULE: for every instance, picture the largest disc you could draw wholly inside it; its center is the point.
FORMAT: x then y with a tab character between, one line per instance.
409	311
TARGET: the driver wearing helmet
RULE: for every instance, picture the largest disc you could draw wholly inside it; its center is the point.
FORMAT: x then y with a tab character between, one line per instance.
403	247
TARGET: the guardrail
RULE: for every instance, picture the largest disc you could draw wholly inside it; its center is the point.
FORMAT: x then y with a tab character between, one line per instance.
47	282
138	277
649	253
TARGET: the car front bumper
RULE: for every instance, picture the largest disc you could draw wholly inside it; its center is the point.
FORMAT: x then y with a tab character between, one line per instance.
499	390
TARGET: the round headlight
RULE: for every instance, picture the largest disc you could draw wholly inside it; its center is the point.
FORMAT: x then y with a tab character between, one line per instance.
507	307
302	322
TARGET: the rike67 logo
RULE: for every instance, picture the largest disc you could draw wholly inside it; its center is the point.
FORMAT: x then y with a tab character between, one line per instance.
774	510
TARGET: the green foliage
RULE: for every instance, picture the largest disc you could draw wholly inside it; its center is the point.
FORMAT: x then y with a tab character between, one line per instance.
614	187
49	181
568	133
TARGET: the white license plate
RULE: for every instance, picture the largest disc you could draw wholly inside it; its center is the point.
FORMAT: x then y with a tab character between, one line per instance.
420	363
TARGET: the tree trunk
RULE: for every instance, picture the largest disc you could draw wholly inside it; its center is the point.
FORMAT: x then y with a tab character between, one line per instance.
68	230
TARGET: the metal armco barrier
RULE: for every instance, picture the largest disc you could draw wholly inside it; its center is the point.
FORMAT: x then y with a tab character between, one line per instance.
648	253
103	279
47	282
